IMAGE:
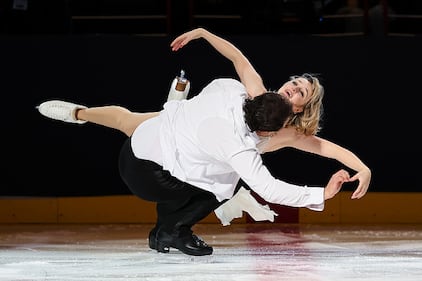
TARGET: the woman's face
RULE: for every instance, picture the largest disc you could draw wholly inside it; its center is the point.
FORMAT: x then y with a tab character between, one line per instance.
298	91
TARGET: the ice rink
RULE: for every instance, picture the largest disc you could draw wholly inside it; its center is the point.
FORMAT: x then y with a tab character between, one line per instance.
244	252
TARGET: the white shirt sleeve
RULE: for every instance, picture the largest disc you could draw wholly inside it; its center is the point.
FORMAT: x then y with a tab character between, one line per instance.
222	142
248	164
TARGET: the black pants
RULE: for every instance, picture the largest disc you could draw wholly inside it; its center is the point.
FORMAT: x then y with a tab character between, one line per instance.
179	204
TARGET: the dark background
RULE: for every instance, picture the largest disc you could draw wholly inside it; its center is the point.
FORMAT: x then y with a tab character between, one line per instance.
47	51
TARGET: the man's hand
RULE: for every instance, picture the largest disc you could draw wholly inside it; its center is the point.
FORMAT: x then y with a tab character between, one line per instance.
335	183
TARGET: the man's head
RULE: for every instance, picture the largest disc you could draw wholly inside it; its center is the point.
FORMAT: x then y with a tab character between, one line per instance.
267	112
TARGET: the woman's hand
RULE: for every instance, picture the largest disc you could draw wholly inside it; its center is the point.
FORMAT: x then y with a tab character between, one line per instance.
364	178
335	183
185	38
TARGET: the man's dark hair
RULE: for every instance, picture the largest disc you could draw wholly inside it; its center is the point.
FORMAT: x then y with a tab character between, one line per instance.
267	112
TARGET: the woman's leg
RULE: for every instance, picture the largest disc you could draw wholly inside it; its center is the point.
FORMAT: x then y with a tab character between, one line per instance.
115	117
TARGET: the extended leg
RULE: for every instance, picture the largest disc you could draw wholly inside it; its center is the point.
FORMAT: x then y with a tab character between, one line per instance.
111	116
115	117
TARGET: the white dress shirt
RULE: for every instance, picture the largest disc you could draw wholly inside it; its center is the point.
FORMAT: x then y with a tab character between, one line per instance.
205	142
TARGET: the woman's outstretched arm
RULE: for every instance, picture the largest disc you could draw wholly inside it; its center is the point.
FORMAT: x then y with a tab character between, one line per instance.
247	73
325	148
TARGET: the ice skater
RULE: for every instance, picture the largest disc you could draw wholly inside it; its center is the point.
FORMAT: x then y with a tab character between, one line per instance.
189	156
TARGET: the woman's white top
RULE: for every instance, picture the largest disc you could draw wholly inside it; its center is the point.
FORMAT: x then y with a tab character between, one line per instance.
205	142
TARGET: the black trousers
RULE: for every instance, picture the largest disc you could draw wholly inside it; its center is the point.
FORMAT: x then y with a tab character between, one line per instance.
179	204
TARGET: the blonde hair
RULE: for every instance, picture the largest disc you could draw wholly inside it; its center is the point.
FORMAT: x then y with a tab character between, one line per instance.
308	121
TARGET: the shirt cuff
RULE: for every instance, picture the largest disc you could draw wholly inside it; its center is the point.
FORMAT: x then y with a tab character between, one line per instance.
316	194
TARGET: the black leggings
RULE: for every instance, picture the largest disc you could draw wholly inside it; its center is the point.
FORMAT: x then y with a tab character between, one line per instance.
179	204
